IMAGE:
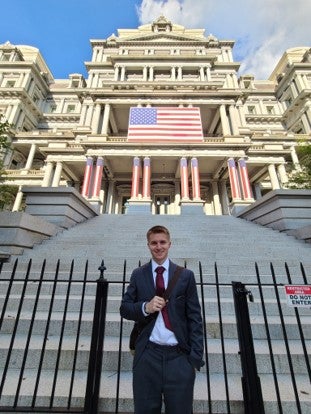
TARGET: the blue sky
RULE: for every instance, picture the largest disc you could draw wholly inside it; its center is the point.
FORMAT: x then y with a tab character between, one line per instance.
61	29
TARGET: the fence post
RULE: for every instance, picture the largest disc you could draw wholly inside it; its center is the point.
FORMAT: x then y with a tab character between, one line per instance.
252	394
97	345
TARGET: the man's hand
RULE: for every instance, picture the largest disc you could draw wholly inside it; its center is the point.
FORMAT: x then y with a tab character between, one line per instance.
155	305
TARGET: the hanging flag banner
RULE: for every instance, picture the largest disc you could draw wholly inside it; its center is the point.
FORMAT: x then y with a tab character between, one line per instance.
165	124
298	295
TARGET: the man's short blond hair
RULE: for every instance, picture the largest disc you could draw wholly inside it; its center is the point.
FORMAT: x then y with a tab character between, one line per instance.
157	230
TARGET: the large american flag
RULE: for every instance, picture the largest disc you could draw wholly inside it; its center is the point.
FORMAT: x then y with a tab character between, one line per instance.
165	124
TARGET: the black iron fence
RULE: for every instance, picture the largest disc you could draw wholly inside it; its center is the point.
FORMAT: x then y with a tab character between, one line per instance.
64	347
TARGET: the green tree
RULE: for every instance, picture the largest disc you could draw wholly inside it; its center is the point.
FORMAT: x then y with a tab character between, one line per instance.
301	177
7	192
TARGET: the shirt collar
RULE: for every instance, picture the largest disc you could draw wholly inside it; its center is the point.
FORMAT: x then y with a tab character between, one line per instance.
164	264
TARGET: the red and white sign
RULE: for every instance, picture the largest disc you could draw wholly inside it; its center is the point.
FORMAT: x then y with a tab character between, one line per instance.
298	295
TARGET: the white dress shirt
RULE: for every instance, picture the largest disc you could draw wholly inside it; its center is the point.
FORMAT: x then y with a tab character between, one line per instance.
160	334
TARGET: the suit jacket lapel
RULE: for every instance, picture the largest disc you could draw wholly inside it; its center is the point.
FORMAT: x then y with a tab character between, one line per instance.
171	270
147	271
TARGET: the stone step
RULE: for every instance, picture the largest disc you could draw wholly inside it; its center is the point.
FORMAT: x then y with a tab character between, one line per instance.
107	402
113	303
113	324
111	347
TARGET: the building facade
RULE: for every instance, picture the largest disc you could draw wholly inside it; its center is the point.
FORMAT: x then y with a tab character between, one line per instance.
75	132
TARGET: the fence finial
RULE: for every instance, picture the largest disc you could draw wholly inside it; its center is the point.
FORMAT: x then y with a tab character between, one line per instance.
102	269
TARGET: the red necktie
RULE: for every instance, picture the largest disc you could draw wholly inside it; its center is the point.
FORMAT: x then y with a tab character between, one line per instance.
160	288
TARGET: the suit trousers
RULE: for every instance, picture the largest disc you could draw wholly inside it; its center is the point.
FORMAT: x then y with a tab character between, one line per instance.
163	373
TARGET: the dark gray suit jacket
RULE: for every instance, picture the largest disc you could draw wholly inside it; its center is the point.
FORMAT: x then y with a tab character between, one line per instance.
183	308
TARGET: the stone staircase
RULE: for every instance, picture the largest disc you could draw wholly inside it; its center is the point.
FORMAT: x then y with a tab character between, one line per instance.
234	244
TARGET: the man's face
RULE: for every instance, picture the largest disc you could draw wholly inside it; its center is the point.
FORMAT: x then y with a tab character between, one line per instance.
159	244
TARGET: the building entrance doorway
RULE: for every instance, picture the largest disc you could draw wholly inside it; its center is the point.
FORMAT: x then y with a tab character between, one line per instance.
162	203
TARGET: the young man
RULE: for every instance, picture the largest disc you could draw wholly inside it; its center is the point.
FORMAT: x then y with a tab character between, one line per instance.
170	346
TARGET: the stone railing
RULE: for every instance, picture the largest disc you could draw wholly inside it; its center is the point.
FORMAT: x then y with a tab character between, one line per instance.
287	211
48	211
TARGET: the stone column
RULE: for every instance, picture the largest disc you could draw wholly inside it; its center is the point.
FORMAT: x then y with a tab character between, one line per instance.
18	199
305	123
110	197
98	177
216	199
233	119
184	179
30	158
208	73
83	115
246	187
151	74
273	177
146	178
196	191
179	75
87	177
282	174
224	197
57	174
116	73
234	180
95	119
224	120
173	73
48	174
295	158
106	119
145	73
122	73
177	198
135	178
202	73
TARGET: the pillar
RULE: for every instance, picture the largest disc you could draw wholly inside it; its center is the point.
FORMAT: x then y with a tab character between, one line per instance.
177	198
57	174
106	119
216	199
18	199
196	193
184	179
135	177
282	174
98	177
233	120
116	73
146	178
30	158
246	187
224	120
151	73
295	158
273	177
95	119
234	180
48	174
87	177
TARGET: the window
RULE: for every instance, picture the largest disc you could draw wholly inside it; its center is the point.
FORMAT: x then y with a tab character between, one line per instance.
71	108
6	56
10	84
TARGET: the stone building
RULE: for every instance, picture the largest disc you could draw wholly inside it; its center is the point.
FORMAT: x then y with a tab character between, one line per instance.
75	132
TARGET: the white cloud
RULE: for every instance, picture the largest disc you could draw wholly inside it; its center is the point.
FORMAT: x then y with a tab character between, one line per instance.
262	29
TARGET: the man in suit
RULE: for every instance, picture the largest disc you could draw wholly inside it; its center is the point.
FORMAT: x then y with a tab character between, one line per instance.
170	346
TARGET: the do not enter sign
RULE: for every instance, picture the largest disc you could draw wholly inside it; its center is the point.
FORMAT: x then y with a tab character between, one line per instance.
298	295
